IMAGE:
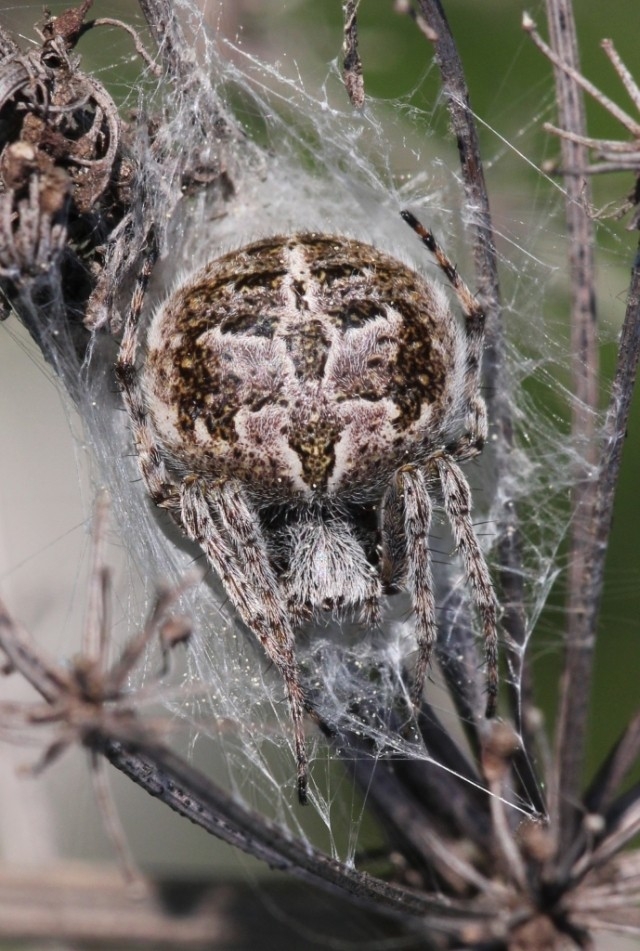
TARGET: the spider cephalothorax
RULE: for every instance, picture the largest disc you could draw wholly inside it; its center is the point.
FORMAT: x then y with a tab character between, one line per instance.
299	401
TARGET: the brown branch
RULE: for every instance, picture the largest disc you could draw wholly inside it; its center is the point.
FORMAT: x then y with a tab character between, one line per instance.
191	794
614	435
498	399
137	42
352	64
580	630
464	129
593	497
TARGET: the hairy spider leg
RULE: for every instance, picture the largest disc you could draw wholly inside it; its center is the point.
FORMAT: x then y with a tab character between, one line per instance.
253	590
457	503
455	488
157	479
393	558
476	420
411	489
191	505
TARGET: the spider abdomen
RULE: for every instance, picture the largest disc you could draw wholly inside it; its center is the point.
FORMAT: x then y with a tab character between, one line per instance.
306	365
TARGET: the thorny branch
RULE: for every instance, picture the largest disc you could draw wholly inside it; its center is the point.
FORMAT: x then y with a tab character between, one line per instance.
473	871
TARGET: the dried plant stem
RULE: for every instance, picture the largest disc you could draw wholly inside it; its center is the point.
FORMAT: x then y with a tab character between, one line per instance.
498	404
615	430
580	627
352	64
137	42
616	767
466	135
192	795
169	37
112	823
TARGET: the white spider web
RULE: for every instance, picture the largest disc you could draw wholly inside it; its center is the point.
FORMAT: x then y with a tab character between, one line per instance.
317	166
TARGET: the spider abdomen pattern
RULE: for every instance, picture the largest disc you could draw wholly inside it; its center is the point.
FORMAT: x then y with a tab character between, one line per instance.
306	366
297	404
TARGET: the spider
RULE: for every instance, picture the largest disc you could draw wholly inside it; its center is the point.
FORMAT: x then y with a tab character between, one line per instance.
299	402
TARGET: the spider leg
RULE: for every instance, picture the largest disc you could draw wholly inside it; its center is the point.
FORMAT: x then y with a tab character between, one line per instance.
191	506
371	613
393	556
457	503
254	591
158	617
51	754
159	483
476	420
411	489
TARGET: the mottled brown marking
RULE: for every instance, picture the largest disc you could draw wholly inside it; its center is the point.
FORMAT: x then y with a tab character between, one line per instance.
348	290
314	442
308	347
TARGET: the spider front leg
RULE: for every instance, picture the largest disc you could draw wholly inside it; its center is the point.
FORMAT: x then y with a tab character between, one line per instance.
406	522
159	483
220	520
474	325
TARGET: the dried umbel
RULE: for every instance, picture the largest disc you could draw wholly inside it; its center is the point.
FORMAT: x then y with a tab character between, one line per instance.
299	403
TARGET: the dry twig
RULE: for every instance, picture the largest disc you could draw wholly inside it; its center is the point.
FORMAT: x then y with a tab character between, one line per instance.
85	698
352	64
